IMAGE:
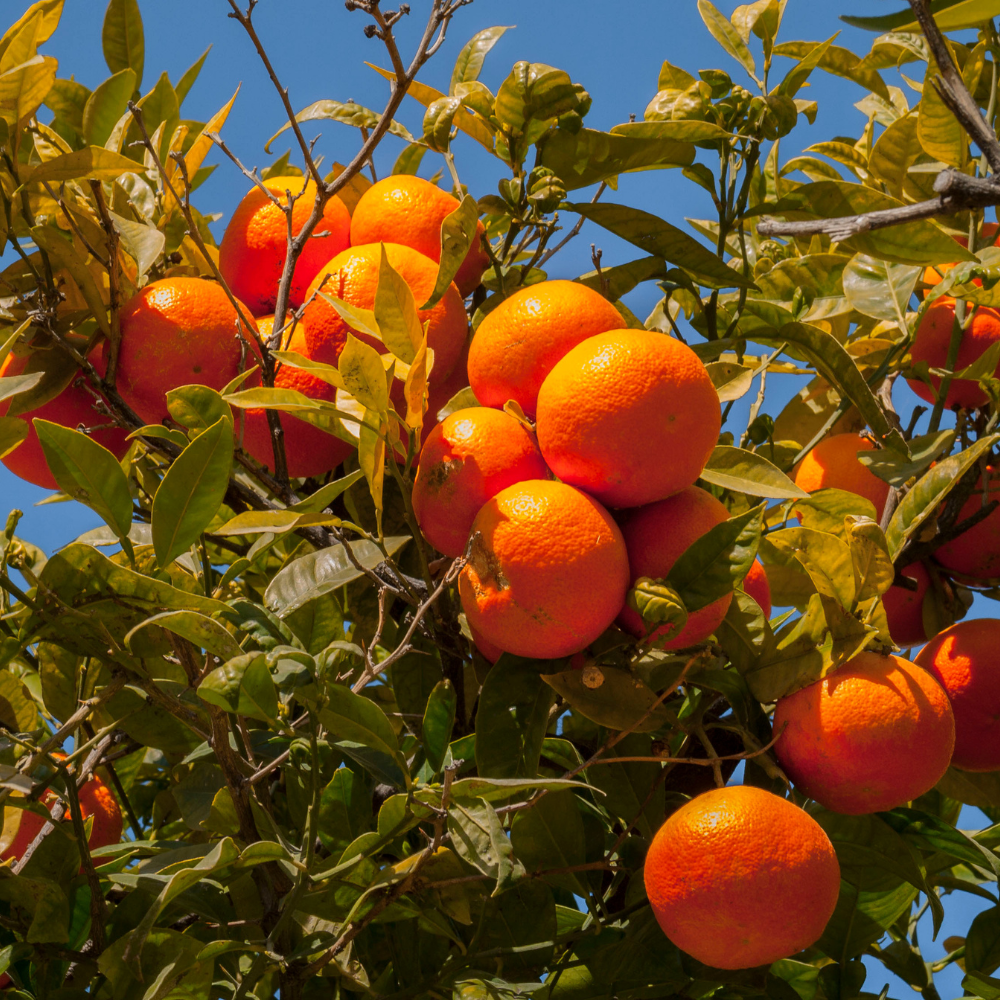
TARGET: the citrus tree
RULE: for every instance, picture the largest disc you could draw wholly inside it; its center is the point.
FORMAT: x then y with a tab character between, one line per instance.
432	610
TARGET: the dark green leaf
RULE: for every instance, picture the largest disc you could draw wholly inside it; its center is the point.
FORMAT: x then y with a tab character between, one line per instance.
612	697
242	685
967	14
627	786
439	720
621	279
657	604
469	63
550	835
478	838
203	632
348	716
345	809
122	38
101	114
982	943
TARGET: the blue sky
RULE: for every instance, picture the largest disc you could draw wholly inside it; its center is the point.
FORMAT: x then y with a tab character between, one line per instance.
614	49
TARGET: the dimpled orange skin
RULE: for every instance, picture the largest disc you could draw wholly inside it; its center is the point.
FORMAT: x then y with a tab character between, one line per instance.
547	573
468	458
409	210
975	554
308	450
833	464
904	608
757	586
656	536
73	407
96	800
871	736
252	252
739	877
931	345
964	659
630	416
353	277
178	331
520	341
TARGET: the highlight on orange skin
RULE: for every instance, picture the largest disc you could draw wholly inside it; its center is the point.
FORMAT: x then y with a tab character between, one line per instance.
757	586
833	464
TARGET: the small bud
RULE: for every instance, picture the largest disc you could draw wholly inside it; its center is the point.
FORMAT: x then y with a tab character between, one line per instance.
350	5
370	30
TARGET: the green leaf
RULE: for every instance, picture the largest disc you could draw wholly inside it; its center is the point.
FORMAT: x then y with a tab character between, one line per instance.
950	15
348	716
627	786
478	838
878	289
202	631
399	325
939	132
807	649
873	569
511	720
661	239
817	274
122	38
349	114
243	685
88	472
469	63
711	566
826	509
723	31
622	278
141	241
13	431
191	492
257	522
364	377
325	495
23	88
550	835
824	556
493	789
744	633
975	789
801	71
345	808
838	61
458	232
930	833
439	721
101	113
982	943
196	407
986	987
318	573
747	472
61	251
924	499
617	699
657	604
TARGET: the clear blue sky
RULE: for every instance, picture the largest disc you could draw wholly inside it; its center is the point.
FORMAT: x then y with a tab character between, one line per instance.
614	49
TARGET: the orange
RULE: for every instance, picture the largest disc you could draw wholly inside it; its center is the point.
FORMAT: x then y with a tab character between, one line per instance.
409	210
309	451
179	331
904	609
756	585
485	647
73	407
987	235
630	416
964	659
468	458
833	464
656	536
353	277
547	573
520	341
253	248
931	342
96	800
975	554
739	877
870	736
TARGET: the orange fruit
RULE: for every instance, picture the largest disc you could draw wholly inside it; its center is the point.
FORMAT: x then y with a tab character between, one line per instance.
96	800
964	659
547	573
309	451
179	331
931	342
468	458
756	585
520	341
656	536
872	735
409	210
252	252
975	554
630	416
833	464
936	272
904	609
73	407
353	277
488	650
739	877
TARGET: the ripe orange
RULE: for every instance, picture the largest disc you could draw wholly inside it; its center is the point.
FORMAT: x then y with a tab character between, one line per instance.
252	252
936	272
833	464
757	586
309	451
467	459
96	800
964	659
488	650
739	877
73	407
547	573
409	210
656	536
179	331
868	737
975	554
931	342
520	341
353	277
904	608
630	416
